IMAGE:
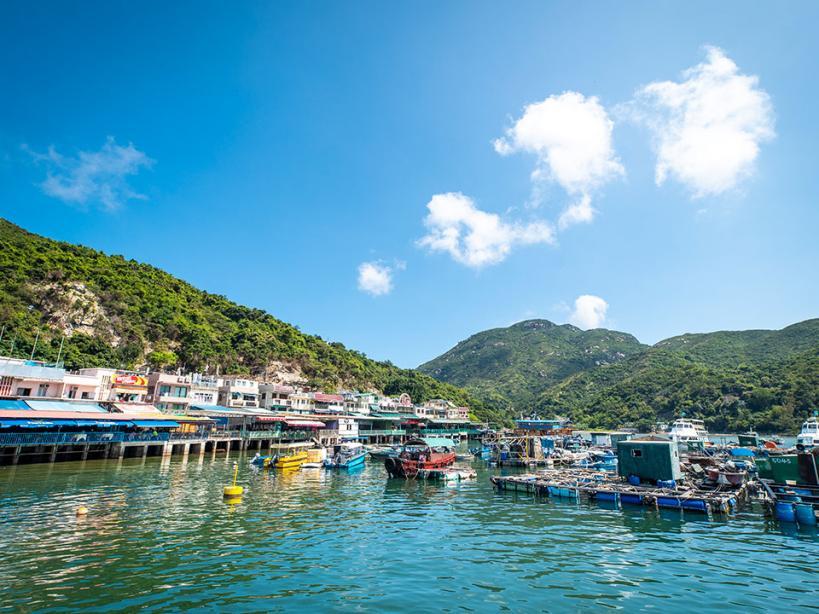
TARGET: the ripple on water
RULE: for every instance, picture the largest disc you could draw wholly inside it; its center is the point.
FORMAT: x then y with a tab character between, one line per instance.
159	536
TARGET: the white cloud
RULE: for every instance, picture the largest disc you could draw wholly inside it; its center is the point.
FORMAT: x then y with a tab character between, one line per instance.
571	136
473	237
93	176
376	277
589	311
708	127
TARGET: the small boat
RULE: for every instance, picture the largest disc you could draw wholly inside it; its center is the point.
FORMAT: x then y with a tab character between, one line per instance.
383	452
312	465
417	455
291	461
809	435
347	456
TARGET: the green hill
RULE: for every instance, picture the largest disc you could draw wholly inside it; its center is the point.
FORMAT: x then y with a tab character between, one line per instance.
122	313
734	380
768	380
512	366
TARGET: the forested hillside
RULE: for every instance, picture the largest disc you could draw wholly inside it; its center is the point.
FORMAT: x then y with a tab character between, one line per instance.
122	313
734	380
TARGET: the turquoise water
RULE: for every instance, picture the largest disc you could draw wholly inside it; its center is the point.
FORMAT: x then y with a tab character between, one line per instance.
159	536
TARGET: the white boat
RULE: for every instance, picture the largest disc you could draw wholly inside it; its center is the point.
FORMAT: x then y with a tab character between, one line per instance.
809	436
686	430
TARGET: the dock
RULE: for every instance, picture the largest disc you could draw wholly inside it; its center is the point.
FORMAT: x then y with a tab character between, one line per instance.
598	486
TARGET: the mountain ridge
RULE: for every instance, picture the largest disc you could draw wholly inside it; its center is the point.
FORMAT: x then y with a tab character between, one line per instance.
732	379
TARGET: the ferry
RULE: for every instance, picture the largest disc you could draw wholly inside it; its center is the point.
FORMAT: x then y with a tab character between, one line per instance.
686	430
416	455
809	436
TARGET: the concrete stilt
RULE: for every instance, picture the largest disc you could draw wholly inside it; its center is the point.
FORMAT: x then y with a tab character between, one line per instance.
16	458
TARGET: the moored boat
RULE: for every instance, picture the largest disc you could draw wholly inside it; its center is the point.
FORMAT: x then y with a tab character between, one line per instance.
809	435
417	455
347	456
291	461
688	431
383	452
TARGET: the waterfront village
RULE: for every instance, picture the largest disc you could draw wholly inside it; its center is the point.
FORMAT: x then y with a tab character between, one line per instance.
48	413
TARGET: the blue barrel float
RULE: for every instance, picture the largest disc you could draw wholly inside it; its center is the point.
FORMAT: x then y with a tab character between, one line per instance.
805	515
784	511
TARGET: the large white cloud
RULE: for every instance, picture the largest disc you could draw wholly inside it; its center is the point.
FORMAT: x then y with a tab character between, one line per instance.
589	311
473	237
93	176
376	277
708	127
571	135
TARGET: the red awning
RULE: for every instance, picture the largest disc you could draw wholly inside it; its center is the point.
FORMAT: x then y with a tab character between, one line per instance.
271	418
305	423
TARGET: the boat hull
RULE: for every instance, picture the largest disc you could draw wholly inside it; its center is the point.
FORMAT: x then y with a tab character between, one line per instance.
399	467
293	461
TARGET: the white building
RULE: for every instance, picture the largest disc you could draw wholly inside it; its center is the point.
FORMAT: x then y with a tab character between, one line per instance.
275	396
205	389
239	393
26	378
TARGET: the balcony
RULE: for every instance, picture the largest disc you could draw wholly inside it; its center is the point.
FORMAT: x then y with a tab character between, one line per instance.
379	432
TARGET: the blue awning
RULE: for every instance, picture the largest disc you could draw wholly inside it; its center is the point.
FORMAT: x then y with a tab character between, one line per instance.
28	424
13	404
156	424
65	406
34	423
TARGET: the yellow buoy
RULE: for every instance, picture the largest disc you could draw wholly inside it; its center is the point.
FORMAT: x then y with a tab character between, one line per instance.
82	510
233	490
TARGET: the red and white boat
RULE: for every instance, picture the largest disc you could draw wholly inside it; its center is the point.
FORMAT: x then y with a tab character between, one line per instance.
416	455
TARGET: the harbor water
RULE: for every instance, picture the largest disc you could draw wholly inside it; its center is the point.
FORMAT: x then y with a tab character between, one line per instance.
158	535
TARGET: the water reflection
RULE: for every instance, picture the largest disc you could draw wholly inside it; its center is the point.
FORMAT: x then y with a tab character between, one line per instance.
160	535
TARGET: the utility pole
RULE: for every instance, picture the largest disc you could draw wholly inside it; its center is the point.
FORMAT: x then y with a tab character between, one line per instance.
34	347
60	353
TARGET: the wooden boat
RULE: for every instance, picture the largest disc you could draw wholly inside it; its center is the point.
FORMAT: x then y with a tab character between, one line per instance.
416	455
292	461
385	452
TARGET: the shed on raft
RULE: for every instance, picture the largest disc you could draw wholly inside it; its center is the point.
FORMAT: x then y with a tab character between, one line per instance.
649	460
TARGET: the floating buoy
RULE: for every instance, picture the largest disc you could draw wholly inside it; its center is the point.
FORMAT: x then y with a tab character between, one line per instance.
82	510
233	490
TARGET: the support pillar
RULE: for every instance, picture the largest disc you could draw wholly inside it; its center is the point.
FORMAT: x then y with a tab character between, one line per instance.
145	451
85	451
16	458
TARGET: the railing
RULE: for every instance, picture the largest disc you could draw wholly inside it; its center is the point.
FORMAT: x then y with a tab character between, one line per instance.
46	439
375	432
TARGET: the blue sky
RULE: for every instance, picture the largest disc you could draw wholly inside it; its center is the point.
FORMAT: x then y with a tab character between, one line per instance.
275	148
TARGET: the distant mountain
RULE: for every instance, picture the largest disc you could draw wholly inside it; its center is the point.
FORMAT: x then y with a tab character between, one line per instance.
512	366
735	380
122	313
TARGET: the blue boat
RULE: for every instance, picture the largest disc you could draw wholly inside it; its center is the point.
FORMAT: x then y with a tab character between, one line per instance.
347	456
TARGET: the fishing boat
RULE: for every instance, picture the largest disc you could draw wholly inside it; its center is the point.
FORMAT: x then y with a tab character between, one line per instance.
382	452
416	455
347	456
291	461
809	435
689	431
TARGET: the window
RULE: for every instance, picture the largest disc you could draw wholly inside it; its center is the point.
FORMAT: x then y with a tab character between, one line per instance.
637	453
180	391
42	390
164	390
24	392
72	392
86	395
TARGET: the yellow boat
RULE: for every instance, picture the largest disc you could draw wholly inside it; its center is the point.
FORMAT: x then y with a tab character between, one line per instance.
293	461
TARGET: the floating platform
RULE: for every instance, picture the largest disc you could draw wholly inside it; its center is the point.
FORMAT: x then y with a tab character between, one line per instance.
598	486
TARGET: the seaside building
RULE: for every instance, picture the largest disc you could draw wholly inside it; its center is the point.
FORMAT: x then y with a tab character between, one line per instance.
275	397
82	387
239	393
28	378
302	402
328	403
204	389
169	392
